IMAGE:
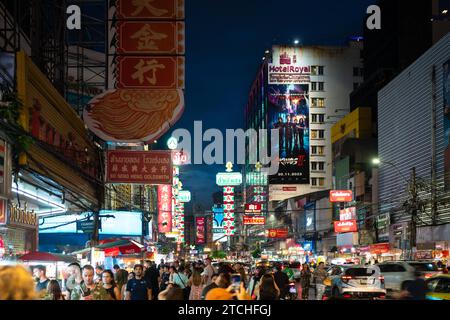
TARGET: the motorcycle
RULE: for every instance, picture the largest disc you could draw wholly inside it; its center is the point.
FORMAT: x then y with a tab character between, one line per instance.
292	293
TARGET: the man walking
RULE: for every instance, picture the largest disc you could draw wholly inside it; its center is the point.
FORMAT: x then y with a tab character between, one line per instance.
319	277
137	287
42	280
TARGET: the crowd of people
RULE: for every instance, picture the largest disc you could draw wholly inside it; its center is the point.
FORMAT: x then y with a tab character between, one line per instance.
179	280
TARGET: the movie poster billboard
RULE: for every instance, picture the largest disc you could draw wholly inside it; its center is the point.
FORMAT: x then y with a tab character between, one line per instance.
446	91
288	112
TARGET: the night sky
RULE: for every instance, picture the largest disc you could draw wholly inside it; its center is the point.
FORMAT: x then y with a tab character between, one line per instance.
225	42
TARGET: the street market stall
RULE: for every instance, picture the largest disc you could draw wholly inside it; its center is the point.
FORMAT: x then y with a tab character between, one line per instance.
55	263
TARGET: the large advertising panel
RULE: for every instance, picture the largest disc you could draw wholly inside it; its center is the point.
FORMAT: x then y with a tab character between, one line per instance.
200	230
287	66
446	91
288	112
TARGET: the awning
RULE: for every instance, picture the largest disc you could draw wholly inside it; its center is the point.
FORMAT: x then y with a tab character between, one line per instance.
116	247
47	257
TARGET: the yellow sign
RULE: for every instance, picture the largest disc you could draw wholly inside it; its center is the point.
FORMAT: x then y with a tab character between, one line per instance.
19	216
358	123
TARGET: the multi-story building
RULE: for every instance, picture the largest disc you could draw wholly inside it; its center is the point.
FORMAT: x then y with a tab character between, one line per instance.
413	149
301	91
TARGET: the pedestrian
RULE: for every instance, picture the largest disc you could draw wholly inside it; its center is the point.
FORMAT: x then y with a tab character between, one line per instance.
228	294
288	271
179	278
54	291
161	265
282	281
41	279
110	285
151	275
172	292
196	284
254	281
16	283
88	289
75	278
305	281
164	279
221	280
137	287
98	274
121	281
208	272
115	269
319	277
267	288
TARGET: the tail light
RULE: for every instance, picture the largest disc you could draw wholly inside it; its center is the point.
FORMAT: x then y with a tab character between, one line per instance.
324	297
347	296
382	296
428	275
346	278
381	278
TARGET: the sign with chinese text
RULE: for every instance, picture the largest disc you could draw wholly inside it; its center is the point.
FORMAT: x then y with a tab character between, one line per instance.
150	9
200	230
254	220
228	210
345	226
253	208
164	208
228	179
150	37
341	195
150	72
277	233
144	167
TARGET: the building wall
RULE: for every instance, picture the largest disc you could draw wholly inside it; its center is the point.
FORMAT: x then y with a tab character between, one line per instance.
404	126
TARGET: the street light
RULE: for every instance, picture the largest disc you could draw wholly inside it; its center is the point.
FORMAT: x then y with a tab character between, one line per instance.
377	162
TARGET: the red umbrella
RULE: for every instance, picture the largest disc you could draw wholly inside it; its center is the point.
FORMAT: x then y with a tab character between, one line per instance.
46	256
130	247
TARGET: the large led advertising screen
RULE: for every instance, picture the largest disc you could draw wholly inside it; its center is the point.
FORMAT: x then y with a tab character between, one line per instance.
288	112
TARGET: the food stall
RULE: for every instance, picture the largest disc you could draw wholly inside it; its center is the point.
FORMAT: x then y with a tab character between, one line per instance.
55	264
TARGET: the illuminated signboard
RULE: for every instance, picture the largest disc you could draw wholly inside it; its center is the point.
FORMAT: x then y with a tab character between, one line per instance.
254	220
228	179
345	226
228	209
184	196
253	208
347	214
200	230
164	208
277	233
341	195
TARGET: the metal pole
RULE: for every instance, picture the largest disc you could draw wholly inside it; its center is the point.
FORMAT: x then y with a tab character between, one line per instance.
433	147
413	211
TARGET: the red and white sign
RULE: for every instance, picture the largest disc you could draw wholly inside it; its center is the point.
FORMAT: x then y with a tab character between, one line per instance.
228	211
379	248
277	233
200	230
179	158
164	208
150	9
143	167
150	72
254	220
253	208
347	214
345	226
341	195
288	66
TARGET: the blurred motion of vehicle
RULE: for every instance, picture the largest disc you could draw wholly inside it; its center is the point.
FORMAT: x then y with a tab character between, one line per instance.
438	287
365	282
426	268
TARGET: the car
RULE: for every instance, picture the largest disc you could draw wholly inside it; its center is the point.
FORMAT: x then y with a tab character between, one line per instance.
426	268
358	281
438	287
397	274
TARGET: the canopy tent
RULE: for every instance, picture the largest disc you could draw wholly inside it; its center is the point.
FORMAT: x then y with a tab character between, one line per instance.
47	257
116	247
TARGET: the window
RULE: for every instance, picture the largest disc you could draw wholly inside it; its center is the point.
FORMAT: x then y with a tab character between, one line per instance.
317	150
314	166
321	166
321	85
317	134
320	71
318	102
313	86
391	267
314	181
321	182
314	150
321	118
314	70
318	182
321	134
314	118
313	134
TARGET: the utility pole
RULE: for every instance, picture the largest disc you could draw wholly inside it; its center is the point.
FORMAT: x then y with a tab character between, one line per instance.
413	191
433	147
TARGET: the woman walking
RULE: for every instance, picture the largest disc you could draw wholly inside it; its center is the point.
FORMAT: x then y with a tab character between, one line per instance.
305	281
196	284
110	285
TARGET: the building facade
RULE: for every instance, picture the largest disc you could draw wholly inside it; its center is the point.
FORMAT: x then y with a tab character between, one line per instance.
413	144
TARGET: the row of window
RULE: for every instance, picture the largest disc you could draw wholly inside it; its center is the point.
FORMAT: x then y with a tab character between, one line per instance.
317	134
317	70
317	86
318	102
317	118
317	166
317	150
318	182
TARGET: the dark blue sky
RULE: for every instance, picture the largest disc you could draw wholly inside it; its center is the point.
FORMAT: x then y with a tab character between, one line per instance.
225	42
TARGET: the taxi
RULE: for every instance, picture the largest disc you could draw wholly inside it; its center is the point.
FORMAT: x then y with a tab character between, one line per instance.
438	287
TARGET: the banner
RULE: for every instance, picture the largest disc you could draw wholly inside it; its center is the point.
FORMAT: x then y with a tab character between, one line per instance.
143	167
164	208
200	230
446	92
341	195
288	112
345	226
228	210
253	208
310	216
